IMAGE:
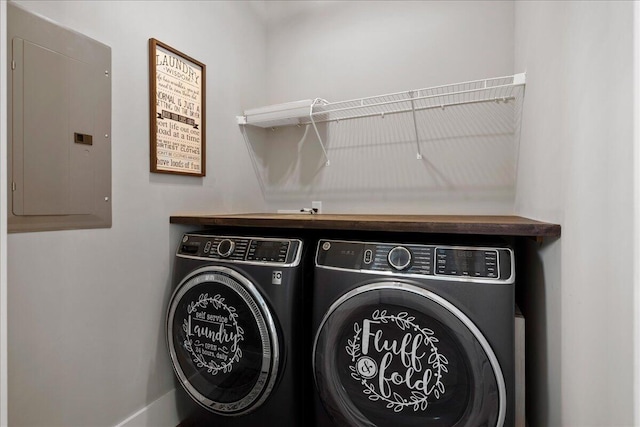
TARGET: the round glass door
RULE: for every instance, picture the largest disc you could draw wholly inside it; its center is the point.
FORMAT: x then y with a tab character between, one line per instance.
391	353
222	341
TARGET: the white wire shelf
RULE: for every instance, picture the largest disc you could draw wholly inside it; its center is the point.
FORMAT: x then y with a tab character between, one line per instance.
499	89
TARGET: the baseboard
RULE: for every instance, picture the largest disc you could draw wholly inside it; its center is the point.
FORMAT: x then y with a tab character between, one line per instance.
161	412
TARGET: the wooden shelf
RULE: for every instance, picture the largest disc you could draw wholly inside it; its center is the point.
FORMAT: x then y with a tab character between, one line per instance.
433	224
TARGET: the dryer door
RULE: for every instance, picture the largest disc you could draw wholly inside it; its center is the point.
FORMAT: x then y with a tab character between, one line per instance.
391	353
223	341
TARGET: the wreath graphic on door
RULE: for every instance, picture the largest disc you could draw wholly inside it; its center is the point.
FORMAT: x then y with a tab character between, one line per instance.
398	394
222	357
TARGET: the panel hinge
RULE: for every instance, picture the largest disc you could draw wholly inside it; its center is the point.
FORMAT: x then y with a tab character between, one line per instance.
13	65
13	186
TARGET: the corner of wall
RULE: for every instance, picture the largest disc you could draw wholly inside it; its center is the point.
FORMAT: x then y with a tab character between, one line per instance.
636	207
160	413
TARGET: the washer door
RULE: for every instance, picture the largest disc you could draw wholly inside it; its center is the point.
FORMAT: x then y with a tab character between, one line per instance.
223	341
391	353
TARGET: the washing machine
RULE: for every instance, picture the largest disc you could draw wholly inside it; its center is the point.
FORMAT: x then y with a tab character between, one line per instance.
234	331
413	334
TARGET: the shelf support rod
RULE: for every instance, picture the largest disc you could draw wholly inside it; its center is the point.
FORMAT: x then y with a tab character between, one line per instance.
315	128
253	158
415	126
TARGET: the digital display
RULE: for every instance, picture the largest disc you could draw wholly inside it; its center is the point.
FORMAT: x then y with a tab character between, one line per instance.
268	250
469	261
461	262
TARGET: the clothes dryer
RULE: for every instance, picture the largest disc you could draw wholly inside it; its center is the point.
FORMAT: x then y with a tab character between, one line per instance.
233	332
410	335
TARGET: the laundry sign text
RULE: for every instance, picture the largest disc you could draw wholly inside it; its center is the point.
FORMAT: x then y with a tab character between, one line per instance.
177	111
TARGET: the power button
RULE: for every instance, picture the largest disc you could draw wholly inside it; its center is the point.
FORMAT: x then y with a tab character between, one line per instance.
368	256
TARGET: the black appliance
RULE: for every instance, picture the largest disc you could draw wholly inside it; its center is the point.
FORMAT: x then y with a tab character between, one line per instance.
410	335
233	329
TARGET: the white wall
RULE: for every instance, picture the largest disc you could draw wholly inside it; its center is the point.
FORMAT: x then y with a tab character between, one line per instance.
636	210
345	50
576	169
3	216
86	312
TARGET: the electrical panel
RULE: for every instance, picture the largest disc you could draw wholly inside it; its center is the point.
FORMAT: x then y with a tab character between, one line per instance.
59	126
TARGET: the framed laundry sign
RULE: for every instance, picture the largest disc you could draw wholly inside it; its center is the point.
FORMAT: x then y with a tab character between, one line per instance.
177	120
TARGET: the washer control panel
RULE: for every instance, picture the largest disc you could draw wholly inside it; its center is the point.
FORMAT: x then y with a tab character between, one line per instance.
480	263
254	250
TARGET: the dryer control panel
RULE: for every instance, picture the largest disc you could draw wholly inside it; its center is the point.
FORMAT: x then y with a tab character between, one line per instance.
251	250
448	262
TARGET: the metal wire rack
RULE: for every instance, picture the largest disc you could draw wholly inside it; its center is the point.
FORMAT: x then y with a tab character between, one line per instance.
499	89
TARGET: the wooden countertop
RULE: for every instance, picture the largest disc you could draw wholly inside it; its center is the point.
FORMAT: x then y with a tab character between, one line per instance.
442	224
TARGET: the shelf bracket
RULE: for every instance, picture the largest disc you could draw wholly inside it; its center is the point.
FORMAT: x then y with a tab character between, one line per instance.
252	154
415	126
315	128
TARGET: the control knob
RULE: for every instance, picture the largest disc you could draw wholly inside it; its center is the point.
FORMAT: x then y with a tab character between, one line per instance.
226	247
399	257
